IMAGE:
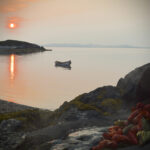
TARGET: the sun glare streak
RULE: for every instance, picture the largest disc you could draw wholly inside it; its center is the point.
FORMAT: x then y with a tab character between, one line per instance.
12	67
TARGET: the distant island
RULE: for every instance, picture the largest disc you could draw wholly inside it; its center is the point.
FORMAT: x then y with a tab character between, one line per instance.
91	45
19	47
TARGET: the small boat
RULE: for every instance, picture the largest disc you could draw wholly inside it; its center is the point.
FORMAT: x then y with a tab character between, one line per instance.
66	64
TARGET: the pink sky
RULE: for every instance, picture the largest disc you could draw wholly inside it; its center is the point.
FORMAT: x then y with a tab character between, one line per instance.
77	21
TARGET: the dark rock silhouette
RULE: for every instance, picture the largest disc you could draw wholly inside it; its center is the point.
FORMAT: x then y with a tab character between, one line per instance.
132	82
143	88
19	47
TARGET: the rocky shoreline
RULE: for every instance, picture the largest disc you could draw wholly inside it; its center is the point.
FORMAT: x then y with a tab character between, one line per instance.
8	107
78	124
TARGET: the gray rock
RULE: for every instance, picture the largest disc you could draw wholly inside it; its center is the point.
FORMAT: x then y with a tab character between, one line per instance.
131	81
82	139
72	114
100	94
88	105
10	125
11	140
143	88
6	107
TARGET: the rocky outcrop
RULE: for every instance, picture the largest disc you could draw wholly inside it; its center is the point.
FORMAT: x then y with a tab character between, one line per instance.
108	101
19	47
143	88
6	107
104	102
135	83
9	137
14	126
10	125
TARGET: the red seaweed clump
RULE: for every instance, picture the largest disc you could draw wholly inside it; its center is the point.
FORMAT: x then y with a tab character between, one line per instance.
133	131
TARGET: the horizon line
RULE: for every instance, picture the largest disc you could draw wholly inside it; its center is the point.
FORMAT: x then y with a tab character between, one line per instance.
92	45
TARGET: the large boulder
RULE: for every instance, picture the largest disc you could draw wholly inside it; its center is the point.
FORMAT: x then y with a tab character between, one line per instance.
143	88
133	82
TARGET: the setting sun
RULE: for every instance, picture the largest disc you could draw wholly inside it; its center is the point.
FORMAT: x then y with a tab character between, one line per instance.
12	25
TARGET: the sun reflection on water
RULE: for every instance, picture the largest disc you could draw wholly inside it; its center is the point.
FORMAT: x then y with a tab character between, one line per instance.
12	66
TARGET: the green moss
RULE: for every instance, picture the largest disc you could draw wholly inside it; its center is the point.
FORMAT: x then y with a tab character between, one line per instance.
30	114
77	103
78	98
106	114
82	106
102	94
74	103
31	118
114	103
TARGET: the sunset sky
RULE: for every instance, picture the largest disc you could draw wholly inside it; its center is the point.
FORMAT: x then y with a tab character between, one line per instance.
106	22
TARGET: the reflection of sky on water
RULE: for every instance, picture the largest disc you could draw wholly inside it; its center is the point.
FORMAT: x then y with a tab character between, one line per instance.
34	80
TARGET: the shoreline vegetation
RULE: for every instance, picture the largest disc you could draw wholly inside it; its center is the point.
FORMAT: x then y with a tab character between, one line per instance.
28	128
19	47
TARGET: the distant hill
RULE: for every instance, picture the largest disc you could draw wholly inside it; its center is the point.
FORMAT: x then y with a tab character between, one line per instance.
19	47
90	45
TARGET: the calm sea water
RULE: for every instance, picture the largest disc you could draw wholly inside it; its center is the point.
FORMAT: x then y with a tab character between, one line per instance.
34	80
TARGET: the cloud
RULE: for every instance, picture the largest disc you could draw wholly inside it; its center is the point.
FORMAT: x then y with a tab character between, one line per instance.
14	5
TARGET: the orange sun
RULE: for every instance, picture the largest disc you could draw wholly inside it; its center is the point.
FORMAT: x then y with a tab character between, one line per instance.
12	25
